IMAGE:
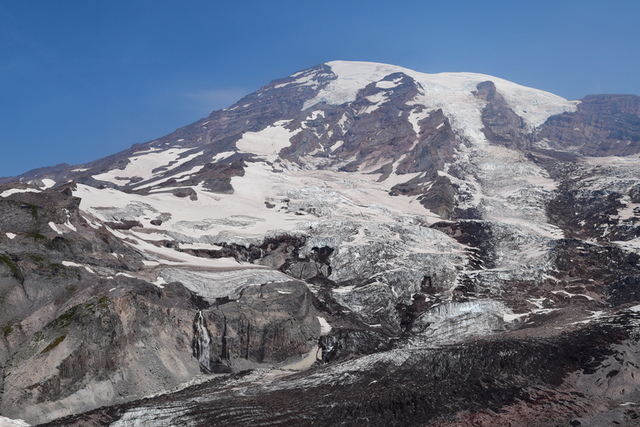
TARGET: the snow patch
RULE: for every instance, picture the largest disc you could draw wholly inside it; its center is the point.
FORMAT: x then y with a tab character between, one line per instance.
308	79
11	191
570	295
145	163
125	275
342	121
315	114
378	99
8	422
337	145
46	183
511	317
222	156
55	228
160	282
75	264
414	117
267	142
325	327
198	245
386	84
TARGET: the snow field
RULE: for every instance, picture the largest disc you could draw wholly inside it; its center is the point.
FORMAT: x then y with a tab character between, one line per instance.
144	163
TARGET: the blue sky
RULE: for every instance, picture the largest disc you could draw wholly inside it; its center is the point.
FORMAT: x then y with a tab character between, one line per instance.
80	80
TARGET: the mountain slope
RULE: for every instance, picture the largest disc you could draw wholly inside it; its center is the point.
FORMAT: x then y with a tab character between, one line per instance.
350	209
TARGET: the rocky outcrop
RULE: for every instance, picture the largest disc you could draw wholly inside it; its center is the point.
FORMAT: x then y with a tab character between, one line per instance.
485	382
135	340
112	347
269	324
603	125
501	124
79	331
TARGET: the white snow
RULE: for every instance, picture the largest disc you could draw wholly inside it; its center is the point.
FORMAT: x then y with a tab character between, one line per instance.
125	275
325	327
8	422
179	177
570	295
378	99
343	290
386	84
315	114
55	228
70	226
198	245
628	211
75	264
453	92
595	315
267	142
342	121
511	317
144	163
160	282
337	145
414	117
11	191
171	257
46	183
222	156
308	80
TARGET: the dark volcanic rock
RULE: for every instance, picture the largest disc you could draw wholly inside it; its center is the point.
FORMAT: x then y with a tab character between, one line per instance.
502	125
488	377
603	125
270	323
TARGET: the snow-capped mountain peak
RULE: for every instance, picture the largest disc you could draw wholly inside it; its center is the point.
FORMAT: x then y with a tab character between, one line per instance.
452	91
363	221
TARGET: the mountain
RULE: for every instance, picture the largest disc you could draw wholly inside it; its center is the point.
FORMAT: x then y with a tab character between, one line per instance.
357	244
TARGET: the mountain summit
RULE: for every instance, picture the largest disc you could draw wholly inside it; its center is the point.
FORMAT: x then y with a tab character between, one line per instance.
382	232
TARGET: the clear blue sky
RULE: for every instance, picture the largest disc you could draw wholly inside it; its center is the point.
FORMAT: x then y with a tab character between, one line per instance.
80	80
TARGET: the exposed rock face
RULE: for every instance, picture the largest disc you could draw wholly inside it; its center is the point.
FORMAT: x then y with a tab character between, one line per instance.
108	349
507	379
86	333
268	324
603	125
442	249
502	125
